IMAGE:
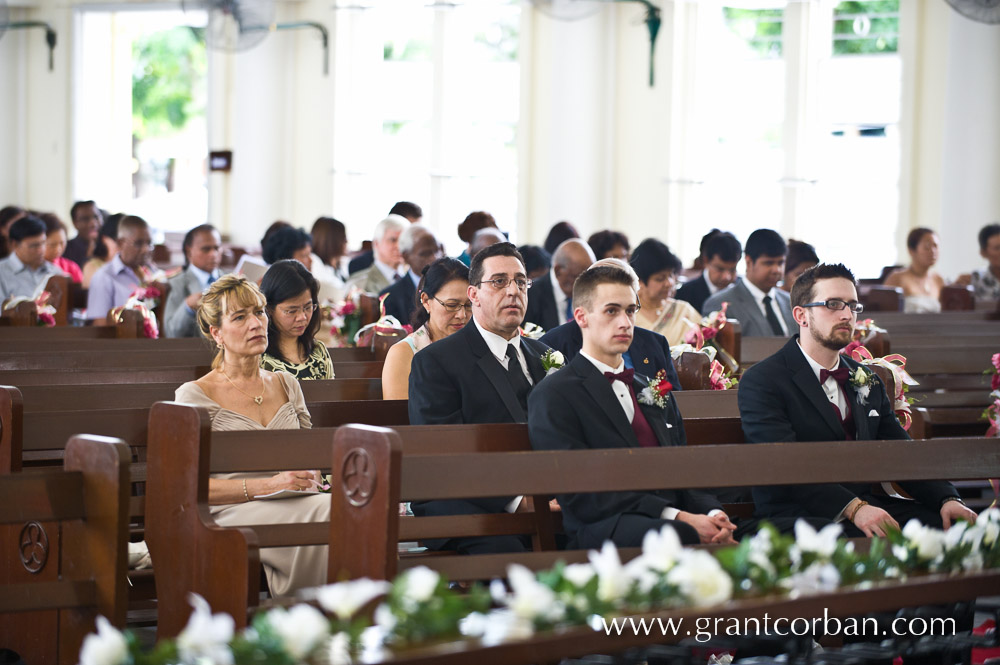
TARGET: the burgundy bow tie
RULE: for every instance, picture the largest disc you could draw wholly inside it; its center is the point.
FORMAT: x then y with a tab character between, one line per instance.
625	376
839	375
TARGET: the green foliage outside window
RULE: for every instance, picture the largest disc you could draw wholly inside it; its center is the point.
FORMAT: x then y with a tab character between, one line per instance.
166	66
866	27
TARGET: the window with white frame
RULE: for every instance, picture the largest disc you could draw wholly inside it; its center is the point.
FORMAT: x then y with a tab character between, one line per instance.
434	90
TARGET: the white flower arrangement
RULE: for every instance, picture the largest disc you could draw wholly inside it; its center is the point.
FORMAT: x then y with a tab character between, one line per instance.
552	361
861	379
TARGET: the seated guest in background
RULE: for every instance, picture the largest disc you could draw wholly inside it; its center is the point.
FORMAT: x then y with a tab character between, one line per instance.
87	220
8	215
802	393
591	403
483	238
558	234
609	245
648	353
329	239
720	252
105	249
388	264
411	211
293	321
755	301
921	285
25	269
239	395
658	268
986	282
419	248
115	282
444	309
55	245
288	243
801	255
698	264
550	301
202	256
481	374
474	222
536	260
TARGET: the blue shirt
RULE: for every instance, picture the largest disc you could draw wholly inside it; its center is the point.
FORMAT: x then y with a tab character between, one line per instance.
110	287
17	279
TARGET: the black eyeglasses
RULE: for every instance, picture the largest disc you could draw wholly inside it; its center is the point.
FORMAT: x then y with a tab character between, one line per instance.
455	306
501	283
836	304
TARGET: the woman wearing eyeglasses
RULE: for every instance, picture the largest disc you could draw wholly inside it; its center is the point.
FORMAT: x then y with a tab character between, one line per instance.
443	308
293	321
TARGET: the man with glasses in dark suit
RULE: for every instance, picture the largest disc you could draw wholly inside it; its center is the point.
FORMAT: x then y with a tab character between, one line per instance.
481	374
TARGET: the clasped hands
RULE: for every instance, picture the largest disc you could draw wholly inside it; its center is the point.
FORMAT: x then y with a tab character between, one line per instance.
873	521
711	529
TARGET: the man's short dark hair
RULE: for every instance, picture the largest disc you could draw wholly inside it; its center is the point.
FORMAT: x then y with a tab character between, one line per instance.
588	281
765	242
535	258
131	224
914	237
283	243
28	226
408	210
986	233
724	245
79	204
604	241
496	249
798	253
804	289
189	239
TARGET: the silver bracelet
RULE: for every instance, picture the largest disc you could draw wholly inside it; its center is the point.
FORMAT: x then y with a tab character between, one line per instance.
247	496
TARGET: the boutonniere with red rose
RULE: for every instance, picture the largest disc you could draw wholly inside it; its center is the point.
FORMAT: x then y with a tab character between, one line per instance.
657	392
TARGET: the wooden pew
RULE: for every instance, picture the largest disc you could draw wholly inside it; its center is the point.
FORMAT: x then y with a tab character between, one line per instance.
76	520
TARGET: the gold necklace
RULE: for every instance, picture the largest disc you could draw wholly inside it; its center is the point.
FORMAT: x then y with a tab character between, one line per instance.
259	399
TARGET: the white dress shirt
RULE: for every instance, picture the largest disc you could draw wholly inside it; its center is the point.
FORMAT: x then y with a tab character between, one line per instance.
833	391
387	271
758	295
712	288
498	347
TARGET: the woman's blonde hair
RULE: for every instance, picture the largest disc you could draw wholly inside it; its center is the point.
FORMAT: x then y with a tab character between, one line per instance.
226	294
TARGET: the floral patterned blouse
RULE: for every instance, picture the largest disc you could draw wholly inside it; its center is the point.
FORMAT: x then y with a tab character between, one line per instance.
986	284
317	366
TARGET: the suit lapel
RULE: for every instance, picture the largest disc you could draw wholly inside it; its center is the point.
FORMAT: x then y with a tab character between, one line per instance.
859	412
749	304
533	358
596	384
494	371
804	377
656	417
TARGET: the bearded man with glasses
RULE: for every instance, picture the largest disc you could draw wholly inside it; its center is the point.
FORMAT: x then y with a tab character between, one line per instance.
807	391
481	374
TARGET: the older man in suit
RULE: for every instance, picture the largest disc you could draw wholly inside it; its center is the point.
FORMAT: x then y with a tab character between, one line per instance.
805	392
202	256
591	403
420	248
388	262
550	302
481	374
648	353
762	309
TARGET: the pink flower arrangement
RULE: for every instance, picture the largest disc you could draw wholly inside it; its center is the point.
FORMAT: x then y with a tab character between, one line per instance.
992	412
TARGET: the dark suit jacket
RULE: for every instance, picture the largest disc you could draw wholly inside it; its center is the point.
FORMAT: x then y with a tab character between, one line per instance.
402	299
576	409
781	399
650	351
360	262
458	380
695	292
541	309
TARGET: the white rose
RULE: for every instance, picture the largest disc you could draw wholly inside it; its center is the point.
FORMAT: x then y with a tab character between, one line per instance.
301	629
578	574
558	358
338	650
346	598
661	548
421	583
819	577
929	542
990	521
107	647
701	579
530	598
206	636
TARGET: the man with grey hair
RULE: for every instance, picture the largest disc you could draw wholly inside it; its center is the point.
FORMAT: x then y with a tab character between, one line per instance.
550	299
420	248
483	238
388	264
648	353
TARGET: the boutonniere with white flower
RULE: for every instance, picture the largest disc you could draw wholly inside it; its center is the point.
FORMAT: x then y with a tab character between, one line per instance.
861	379
657	393
552	360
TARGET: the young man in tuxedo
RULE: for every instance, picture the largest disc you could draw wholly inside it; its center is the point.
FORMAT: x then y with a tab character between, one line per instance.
591	403
481	374
803	393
